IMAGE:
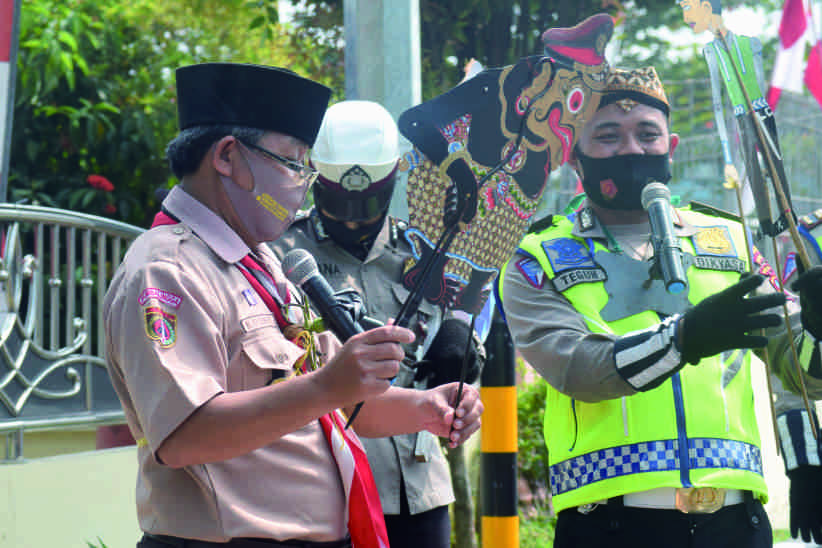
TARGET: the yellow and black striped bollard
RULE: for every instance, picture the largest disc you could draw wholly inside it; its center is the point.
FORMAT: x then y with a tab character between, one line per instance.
498	441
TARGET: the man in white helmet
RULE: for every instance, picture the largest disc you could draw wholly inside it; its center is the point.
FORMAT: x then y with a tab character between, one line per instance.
357	245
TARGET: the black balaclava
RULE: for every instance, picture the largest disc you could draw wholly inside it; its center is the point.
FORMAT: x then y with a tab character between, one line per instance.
358	241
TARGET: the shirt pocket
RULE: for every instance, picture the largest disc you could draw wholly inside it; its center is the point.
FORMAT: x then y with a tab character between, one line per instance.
265	356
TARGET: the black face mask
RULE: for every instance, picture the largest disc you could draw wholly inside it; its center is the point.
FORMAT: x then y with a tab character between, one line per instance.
616	182
358	241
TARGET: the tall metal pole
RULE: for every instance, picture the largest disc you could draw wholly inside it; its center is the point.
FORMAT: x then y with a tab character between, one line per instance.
382	63
9	31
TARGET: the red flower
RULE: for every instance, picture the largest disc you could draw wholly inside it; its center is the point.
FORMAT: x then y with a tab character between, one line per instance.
110	209
99	182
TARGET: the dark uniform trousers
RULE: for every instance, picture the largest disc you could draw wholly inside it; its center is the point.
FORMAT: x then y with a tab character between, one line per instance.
162	541
614	525
407	530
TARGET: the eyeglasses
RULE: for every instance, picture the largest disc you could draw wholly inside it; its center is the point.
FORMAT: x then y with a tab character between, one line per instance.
306	173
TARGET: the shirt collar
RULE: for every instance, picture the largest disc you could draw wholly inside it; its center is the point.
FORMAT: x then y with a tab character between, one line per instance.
209	227
381	241
586	224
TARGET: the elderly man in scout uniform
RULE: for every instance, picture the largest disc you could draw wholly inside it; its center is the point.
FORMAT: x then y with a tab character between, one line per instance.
645	450
358	246
233	402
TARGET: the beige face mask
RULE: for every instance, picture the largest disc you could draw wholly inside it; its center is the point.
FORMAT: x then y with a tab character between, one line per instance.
271	206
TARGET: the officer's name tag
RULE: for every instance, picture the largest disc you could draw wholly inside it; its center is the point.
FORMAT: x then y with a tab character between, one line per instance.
570	278
257	322
724	264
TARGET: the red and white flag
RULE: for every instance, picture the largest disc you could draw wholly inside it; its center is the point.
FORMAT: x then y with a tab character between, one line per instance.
789	66
813	72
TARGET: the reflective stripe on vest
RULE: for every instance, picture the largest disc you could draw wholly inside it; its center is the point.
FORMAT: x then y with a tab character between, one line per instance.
696	429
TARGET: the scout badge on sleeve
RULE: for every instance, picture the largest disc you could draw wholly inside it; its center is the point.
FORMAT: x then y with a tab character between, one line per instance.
482	155
160	321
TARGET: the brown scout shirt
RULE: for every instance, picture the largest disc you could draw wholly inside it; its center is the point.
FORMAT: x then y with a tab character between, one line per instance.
183	325
377	279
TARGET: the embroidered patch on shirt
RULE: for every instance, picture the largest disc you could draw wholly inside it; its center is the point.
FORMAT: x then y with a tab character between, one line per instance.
532	271
160	326
723	264
256	322
164	297
250	297
714	240
567	253
570	278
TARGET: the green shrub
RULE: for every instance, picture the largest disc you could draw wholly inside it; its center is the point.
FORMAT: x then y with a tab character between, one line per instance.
532	458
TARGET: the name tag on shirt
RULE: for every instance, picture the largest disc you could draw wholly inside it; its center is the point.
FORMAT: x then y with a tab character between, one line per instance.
257	322
572	263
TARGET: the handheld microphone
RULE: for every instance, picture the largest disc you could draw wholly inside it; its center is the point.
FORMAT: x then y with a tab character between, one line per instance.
300	268
656	200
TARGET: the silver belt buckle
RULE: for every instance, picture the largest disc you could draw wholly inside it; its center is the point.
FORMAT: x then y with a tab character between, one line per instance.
699	500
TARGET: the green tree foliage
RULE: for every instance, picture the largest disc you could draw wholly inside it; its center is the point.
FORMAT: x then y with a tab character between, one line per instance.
95	93
500	32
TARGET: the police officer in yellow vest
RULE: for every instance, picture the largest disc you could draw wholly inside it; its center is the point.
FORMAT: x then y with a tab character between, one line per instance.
644	449
358	246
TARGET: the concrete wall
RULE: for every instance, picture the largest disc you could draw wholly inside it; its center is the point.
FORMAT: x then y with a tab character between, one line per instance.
70	500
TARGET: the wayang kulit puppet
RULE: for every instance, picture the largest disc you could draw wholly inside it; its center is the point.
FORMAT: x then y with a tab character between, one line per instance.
482	155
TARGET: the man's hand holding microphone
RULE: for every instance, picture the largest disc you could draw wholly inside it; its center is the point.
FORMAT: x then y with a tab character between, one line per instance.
363	368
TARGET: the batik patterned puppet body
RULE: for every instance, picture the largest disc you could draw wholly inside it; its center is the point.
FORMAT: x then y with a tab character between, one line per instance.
496	137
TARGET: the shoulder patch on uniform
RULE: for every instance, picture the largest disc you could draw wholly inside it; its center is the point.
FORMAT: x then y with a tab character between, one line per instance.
160	325
319	230
565	253
714	240
699	207
587	219
164	297
811	220
531	271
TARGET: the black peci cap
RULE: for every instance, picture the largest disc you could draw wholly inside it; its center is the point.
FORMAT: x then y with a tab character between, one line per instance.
268	98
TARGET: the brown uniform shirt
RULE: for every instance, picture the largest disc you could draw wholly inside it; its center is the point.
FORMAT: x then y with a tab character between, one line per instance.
183	325
377	278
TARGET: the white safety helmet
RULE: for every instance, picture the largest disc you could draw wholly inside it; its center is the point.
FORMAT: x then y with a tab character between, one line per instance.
356	154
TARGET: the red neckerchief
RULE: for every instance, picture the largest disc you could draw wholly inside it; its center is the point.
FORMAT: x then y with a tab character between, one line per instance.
366	522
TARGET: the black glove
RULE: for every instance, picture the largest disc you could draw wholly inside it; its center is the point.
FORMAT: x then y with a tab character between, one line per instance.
806	503
722	321
809	287
442	362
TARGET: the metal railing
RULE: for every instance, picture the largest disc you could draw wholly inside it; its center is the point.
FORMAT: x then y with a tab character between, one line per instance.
55	266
